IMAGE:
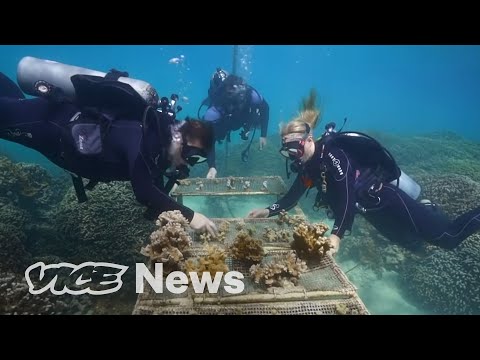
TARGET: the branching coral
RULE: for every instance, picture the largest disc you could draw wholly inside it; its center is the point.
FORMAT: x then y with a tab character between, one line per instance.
281	271
223	229
309	241
275	235
240	225
246	248
285	218
213	262
169	242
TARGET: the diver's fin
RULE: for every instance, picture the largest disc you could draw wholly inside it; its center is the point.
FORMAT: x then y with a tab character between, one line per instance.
9	89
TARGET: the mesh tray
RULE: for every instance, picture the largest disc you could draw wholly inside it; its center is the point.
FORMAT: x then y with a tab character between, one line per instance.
218	186
318	291
351	306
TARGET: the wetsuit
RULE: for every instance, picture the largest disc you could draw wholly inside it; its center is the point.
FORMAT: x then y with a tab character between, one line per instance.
128	153
390	210
255	113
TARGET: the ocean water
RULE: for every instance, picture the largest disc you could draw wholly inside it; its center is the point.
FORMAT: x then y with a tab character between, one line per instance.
396	90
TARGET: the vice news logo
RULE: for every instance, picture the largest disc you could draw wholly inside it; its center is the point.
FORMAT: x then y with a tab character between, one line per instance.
101	278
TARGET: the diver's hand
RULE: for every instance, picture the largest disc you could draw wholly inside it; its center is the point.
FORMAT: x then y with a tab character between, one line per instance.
334	243
212	173
263	142
258	213
200	223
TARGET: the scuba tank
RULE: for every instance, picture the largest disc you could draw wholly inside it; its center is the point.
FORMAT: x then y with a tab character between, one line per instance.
355	142
408	185
39	77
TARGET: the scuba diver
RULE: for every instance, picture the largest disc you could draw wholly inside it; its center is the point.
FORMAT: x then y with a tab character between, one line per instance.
233	104
355	174
105	127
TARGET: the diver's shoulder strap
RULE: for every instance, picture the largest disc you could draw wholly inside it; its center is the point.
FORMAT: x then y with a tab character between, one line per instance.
114	74
80	188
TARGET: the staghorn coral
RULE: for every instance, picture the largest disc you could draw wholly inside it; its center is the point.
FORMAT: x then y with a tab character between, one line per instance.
281	271
213	262
309	241
246	248
169	242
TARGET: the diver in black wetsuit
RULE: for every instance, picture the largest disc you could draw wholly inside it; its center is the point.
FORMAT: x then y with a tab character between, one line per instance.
123	148
349	184
233	104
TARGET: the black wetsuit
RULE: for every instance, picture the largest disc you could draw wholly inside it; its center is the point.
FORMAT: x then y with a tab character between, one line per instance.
128	153
254	113
391	211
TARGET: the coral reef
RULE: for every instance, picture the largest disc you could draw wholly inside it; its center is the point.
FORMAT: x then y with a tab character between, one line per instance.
456	194
212	262
309	241
366	246
448	281
280	271
246	248
14	221
109	227
29	185
169	242
15	299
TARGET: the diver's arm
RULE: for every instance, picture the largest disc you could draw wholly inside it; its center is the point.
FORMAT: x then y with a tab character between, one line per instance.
339	165
264	118
261	105
213	116
149	195
290	199
211	158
